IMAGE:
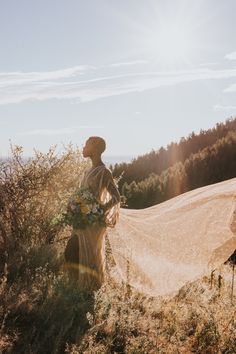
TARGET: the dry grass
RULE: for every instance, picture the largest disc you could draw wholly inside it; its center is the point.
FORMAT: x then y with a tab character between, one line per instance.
41	312
44	314
199	319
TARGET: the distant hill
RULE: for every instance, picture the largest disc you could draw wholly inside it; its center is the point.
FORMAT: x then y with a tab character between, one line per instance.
159	175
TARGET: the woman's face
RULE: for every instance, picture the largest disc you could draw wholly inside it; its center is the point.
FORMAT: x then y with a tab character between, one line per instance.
88	148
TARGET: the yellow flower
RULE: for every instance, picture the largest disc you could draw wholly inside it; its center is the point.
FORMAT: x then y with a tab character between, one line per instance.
85	209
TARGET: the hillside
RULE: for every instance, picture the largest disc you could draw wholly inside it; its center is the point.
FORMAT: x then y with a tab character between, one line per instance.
194	162
41	312
159	160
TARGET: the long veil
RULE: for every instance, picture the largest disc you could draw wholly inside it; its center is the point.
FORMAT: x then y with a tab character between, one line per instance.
160	248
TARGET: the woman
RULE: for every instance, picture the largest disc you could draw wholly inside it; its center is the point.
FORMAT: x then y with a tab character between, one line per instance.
85	252
160	248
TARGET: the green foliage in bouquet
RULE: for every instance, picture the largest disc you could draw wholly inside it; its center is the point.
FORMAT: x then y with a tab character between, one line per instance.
83	210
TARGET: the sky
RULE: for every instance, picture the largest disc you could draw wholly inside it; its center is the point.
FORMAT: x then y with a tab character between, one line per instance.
139	73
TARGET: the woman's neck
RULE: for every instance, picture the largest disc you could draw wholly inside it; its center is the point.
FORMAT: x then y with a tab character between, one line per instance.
97	162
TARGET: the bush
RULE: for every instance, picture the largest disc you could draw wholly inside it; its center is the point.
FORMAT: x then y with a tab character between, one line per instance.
32	192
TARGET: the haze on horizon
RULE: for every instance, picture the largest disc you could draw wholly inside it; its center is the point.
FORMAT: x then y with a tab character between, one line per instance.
138	74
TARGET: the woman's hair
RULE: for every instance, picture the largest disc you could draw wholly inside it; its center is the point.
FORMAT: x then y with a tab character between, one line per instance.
99	143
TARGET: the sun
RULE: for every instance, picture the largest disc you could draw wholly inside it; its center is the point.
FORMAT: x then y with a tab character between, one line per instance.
171	43
169	40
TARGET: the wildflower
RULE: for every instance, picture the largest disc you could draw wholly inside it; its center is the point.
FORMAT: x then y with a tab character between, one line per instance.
94	209
85	209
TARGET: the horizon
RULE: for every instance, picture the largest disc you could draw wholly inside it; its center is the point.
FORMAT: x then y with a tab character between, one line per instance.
119	158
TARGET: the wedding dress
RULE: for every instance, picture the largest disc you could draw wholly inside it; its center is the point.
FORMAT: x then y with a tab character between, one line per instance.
89	248
160	248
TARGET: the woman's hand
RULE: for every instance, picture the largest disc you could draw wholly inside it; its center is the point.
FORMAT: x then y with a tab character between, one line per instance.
104	208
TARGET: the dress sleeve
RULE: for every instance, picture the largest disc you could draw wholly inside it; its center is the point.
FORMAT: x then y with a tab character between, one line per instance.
112	189
112	198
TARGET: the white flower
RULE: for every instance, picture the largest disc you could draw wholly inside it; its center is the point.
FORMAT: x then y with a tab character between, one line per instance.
94	209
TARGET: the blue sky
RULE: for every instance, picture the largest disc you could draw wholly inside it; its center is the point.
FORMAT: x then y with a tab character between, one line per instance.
138	73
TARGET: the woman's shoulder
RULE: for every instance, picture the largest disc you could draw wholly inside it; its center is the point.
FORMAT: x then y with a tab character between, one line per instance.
104	170
98	172
107	171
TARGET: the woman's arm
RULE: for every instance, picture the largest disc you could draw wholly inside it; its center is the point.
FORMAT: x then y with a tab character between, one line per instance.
110	185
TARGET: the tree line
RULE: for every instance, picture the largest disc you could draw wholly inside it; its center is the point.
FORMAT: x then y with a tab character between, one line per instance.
196	161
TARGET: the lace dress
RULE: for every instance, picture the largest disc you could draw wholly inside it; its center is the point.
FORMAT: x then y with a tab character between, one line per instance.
89	267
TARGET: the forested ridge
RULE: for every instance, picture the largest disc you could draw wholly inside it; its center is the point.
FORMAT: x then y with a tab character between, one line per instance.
198	160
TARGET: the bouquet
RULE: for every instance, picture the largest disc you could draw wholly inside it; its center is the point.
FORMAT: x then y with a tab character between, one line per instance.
83	210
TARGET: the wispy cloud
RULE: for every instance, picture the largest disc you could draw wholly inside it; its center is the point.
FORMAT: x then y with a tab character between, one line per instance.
50	132
231	56
210	63
231	88
20	78
219	107
70	84
129	63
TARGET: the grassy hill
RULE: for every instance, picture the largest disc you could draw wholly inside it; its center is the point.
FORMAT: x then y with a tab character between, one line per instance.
40	310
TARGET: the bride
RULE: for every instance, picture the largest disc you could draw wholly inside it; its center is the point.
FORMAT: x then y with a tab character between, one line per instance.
160	248
85	251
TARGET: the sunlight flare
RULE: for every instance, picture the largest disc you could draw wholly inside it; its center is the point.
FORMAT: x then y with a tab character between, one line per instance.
171	43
